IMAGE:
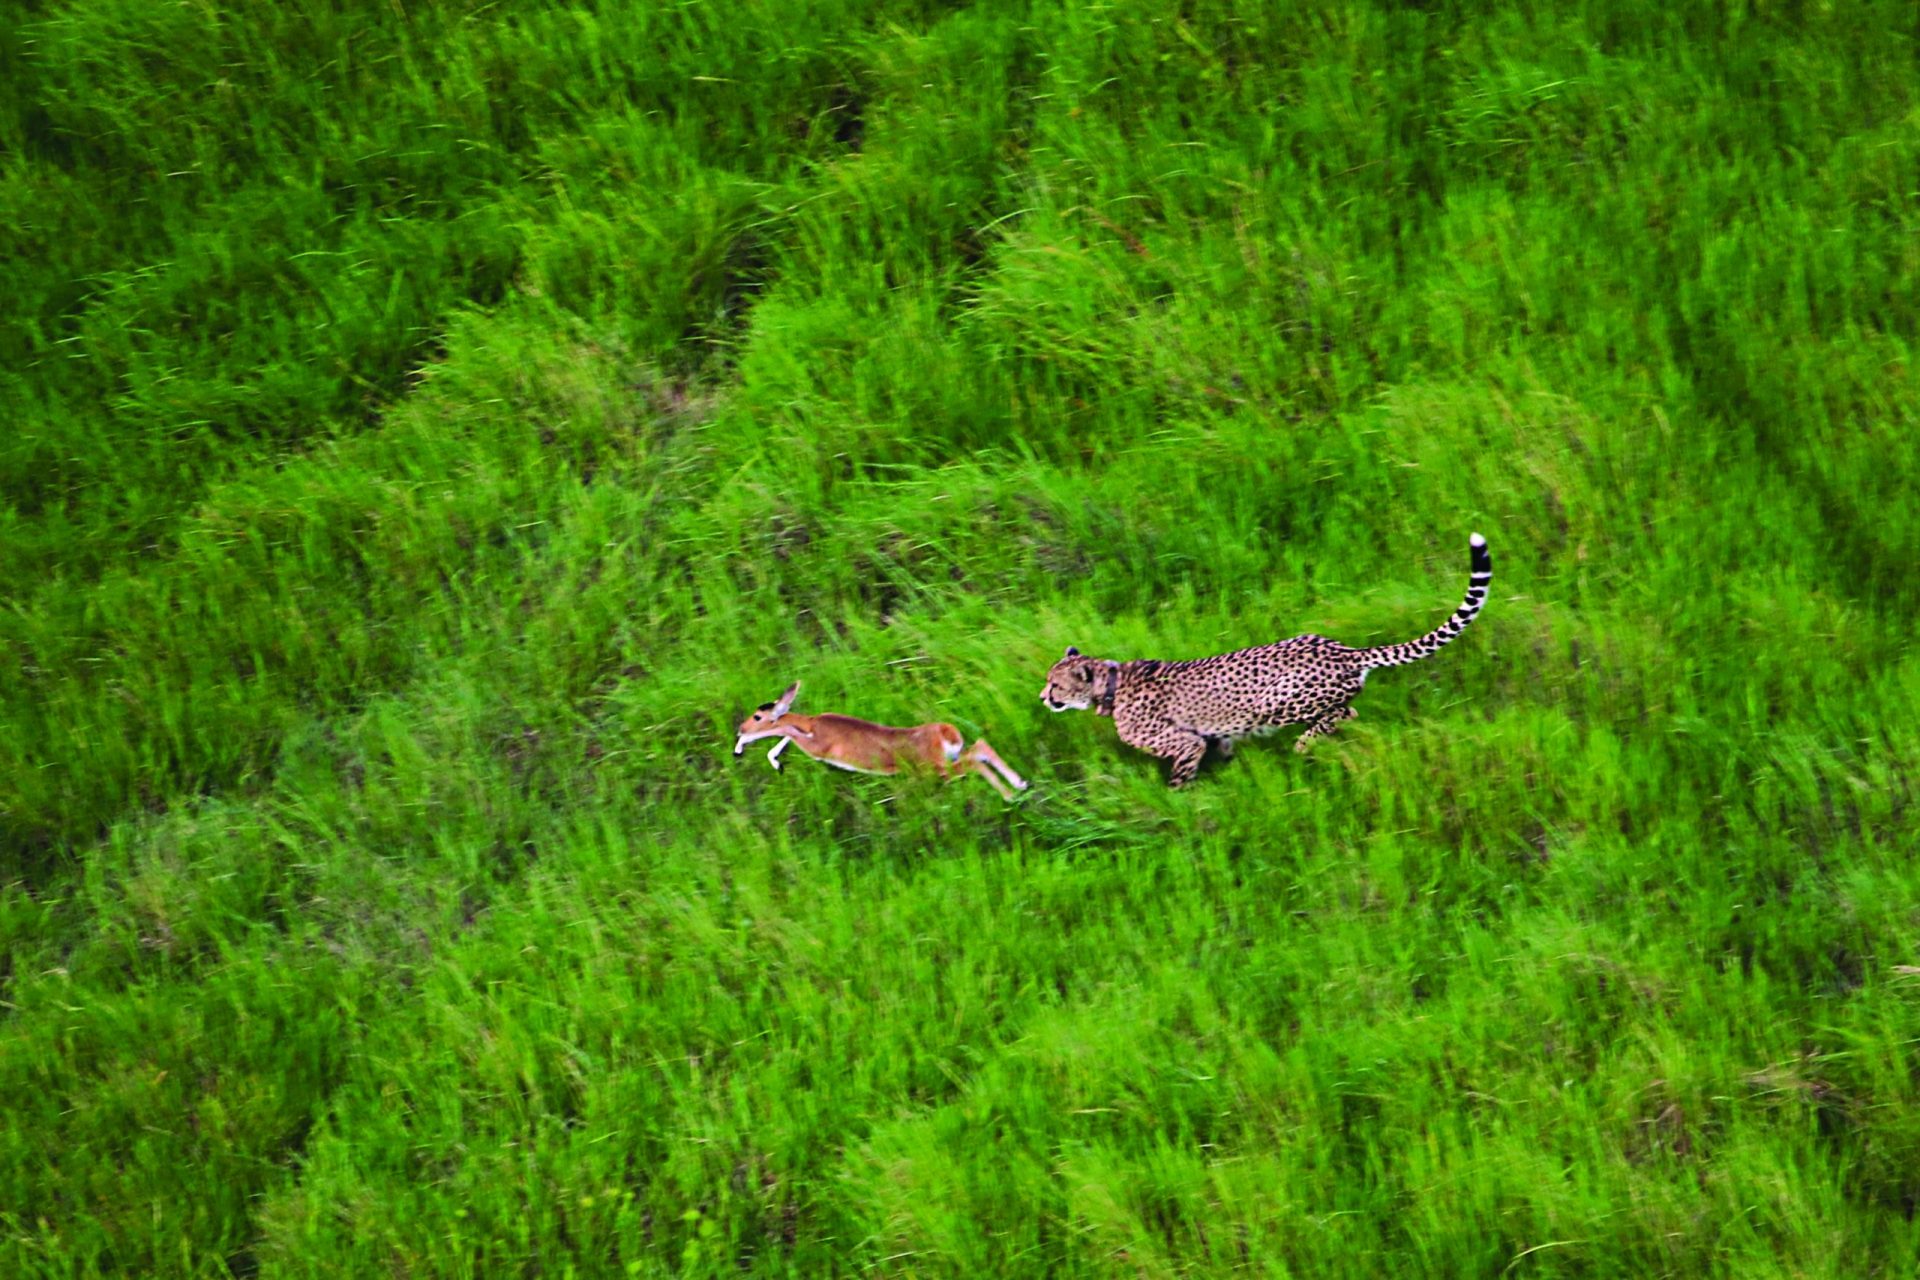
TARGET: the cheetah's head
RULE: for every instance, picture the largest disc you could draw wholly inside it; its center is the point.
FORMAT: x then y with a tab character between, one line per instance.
1070	685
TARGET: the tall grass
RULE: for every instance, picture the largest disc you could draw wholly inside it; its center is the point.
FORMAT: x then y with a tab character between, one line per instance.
436	424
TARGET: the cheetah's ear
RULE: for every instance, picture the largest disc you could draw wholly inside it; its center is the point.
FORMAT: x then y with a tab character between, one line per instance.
1072	652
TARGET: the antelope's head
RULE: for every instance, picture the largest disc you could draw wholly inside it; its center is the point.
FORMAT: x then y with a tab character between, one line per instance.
765	720
1071	683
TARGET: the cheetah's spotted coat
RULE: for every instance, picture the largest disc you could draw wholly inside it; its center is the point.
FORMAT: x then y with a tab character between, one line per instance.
1175	709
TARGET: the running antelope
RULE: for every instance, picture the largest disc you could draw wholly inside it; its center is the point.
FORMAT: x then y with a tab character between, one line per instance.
860	746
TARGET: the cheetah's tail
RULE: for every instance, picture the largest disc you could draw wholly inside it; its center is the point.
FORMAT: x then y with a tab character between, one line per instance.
1394	655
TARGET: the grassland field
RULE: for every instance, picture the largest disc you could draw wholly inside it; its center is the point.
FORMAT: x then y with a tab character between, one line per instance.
431	426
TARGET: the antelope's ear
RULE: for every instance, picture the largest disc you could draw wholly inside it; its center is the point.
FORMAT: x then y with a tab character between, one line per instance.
786	699
1072	652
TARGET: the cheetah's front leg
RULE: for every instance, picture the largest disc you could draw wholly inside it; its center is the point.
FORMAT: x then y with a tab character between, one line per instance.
1186	752
1320	728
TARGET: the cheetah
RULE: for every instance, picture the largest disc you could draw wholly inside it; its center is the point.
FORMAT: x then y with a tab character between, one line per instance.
1176	709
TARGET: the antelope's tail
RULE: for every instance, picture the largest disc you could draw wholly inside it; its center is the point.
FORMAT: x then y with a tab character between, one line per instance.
1395	655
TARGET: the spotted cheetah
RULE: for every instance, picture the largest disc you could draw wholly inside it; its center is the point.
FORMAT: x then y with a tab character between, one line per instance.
1175	709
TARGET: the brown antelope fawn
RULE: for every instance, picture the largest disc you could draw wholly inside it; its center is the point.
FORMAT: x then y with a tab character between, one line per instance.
860	746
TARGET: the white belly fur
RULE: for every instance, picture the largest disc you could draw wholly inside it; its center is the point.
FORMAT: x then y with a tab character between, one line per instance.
850	768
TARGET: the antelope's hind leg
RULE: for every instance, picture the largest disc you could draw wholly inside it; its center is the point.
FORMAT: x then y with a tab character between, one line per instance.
959	767
993	779
984	756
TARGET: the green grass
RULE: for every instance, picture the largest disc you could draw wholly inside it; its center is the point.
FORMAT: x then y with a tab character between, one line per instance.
433	427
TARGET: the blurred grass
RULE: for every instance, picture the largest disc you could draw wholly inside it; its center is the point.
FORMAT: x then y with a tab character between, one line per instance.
434	424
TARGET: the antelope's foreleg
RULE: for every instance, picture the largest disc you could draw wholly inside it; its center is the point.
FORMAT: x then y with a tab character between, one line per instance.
773	756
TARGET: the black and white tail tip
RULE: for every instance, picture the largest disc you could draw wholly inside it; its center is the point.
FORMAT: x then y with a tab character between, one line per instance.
1477	579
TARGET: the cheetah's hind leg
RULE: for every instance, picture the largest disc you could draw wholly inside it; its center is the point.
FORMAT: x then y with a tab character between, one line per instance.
1320	728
